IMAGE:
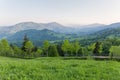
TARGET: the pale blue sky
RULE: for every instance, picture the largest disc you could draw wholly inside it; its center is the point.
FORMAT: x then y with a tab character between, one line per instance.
61	11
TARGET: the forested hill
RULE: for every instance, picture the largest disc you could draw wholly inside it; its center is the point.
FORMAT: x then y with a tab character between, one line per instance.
107	33
38	36
85	36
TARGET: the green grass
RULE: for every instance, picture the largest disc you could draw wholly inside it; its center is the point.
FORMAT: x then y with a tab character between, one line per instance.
58	69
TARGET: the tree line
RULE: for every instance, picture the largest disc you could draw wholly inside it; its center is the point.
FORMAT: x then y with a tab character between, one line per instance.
66	48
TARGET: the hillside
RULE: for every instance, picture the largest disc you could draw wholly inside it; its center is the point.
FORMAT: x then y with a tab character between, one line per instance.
106	33
38	32
38	36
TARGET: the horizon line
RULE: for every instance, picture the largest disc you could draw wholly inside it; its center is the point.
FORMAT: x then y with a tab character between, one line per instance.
64	24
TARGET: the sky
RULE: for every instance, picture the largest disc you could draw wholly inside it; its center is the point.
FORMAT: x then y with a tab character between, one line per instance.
61	11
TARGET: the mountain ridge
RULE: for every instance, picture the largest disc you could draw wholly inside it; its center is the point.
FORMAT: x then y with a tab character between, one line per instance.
54	26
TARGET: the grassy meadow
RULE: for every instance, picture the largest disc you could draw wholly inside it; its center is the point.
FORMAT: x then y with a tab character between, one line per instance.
58	69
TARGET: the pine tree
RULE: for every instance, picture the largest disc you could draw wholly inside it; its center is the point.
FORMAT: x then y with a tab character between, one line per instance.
24	42
27	46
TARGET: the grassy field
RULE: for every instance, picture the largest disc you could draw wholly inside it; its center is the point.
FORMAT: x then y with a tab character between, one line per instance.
58	69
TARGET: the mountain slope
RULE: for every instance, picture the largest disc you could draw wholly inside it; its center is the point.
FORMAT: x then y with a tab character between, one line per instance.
56	27
37	36
106	33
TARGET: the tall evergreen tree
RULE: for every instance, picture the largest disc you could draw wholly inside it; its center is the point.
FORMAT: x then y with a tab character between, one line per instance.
29	47
24	42
60	50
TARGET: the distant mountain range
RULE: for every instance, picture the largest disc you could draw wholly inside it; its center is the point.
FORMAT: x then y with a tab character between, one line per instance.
55	31
56	27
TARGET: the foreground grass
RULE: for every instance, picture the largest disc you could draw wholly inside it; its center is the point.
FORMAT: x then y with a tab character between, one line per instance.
58	69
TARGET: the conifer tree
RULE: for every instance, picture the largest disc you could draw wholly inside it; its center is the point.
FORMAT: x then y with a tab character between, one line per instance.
24	42
29	47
